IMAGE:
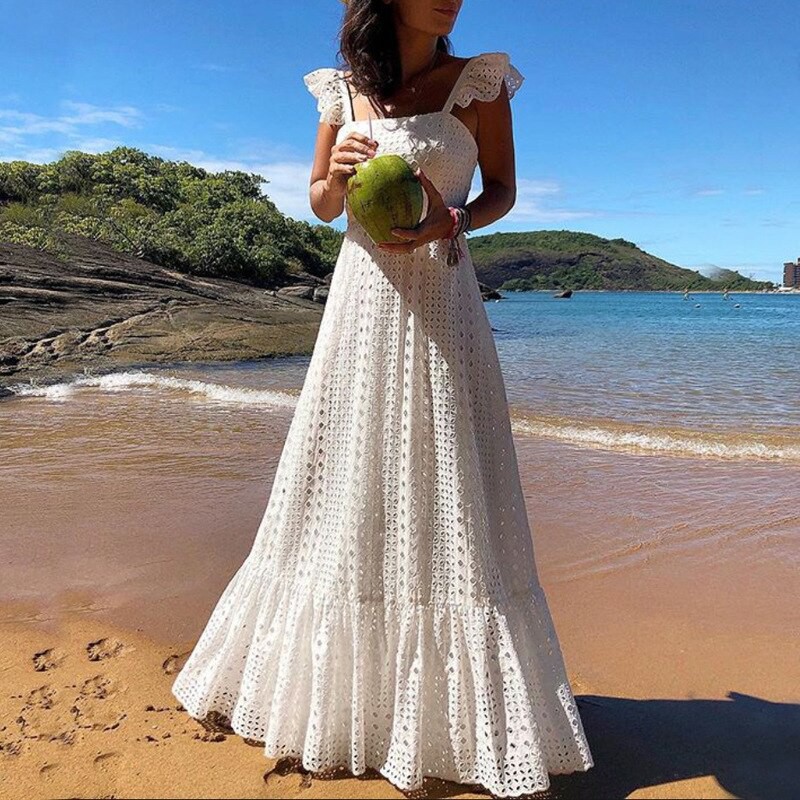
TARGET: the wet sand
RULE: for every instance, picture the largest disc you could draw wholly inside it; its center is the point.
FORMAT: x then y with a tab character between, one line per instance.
673	583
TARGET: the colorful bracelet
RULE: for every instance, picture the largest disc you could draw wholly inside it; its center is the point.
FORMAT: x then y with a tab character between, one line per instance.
462	220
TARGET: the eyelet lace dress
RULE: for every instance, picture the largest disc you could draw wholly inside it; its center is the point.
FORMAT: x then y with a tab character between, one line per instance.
389	614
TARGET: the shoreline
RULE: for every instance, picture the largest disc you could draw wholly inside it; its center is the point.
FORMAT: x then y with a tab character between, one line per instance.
206	381
65	373
302	336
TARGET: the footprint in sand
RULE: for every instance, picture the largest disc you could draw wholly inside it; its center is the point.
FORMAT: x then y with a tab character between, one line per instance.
10	747
41	697
107	760
174	663
92	709
106	648
47	659
289	765
44	717
47	771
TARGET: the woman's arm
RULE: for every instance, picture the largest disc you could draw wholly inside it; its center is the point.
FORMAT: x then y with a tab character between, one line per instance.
327	199
333	165
495	139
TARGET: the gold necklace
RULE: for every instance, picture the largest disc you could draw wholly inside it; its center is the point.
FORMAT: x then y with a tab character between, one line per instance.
413	84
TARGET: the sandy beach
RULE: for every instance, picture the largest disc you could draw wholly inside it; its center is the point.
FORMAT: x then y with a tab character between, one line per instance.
672	581
93	717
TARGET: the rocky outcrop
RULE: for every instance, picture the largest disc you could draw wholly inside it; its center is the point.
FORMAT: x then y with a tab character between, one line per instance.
105	309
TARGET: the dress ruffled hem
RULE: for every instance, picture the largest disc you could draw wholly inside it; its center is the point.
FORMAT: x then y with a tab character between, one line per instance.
467	693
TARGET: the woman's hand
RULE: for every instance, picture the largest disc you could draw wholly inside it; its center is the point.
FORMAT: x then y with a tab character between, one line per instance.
354	148
436	225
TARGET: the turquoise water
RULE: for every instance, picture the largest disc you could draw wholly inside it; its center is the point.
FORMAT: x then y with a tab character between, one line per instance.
726	370
647	372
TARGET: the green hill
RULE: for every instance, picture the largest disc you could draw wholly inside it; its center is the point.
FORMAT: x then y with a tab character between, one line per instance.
572	260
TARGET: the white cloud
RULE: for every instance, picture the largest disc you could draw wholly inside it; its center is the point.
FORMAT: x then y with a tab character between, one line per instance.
707	191
96	145
88	114
213	67
288	180
289	188
18	128
539	201
35	155
532	204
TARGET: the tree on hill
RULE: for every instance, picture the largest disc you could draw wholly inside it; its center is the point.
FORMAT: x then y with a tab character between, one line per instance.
171	213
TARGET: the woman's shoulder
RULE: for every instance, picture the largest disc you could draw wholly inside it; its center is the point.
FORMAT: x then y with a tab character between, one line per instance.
324	83
320	77
493	57
483	74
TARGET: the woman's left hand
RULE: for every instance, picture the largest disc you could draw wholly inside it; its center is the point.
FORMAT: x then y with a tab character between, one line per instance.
436	225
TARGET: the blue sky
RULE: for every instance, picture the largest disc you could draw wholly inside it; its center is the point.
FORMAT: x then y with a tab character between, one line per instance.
671	123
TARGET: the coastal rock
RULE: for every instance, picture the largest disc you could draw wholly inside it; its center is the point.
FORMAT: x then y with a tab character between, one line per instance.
102	309
299	290
306	278
488	293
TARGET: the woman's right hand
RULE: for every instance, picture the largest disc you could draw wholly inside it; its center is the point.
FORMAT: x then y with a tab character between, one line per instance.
353	149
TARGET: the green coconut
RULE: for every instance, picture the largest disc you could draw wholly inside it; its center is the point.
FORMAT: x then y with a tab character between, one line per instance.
384	193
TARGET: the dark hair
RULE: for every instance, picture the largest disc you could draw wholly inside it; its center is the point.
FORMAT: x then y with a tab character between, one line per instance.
368	45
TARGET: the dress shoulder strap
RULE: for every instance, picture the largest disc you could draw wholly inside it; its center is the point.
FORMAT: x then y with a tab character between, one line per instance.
349	101
451	98
481	78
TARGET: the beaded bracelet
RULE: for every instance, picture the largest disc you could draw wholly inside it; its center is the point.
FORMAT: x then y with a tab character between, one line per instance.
462	219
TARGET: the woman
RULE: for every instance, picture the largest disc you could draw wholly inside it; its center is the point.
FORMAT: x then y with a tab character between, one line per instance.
389	614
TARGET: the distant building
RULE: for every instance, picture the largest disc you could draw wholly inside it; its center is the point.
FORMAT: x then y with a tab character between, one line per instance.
791	274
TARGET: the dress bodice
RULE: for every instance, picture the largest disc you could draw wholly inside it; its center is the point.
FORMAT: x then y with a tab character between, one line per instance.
437	141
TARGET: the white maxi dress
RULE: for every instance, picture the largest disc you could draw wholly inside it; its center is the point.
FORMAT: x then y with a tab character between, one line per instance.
389	614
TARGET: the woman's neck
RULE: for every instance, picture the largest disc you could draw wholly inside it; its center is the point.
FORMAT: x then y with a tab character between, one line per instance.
416	52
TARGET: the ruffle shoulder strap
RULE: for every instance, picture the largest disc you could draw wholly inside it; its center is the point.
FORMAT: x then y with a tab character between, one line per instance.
482	77
326	84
